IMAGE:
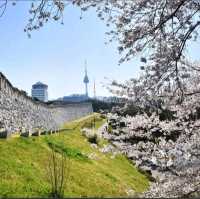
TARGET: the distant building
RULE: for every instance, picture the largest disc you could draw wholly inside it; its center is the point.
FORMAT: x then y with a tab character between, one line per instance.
40	91
75	98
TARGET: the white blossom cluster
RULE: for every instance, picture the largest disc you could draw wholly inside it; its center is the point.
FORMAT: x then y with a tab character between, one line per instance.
168	150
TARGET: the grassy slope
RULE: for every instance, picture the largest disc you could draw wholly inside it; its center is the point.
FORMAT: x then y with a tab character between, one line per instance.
23	163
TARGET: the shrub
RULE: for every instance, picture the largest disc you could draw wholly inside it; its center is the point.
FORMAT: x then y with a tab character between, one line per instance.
110	129
93	138
102	116
166	115
58	173
88	125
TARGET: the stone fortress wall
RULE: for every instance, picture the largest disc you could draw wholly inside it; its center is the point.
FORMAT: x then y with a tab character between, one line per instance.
20	113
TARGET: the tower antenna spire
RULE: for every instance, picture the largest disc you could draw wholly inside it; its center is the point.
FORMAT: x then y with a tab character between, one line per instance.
86	66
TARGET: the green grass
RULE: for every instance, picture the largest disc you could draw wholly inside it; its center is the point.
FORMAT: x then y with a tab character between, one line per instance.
23	166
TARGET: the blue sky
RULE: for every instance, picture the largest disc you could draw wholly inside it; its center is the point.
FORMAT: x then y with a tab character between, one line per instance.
55	54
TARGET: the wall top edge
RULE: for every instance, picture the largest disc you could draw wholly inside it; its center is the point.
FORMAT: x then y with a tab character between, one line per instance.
50	104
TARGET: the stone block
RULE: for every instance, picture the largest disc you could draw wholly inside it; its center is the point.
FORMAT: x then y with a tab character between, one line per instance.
36	133
57	131
4	133
26	134
49	132
44	133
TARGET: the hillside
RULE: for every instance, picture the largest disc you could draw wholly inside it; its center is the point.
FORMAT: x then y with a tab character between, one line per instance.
24	161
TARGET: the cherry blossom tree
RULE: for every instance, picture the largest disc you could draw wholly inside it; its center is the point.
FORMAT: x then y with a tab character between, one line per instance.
160	30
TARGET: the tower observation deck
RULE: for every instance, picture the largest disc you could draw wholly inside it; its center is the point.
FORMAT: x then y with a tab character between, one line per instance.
86	81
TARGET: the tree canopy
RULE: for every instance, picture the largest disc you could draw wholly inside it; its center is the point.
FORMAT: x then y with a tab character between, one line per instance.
157	30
